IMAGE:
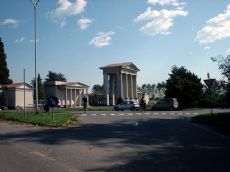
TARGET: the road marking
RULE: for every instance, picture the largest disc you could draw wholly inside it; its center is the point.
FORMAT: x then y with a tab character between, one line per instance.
155	113
163	113
112	114
179	113
129	113
121	114
138	113
94	114
188	113
83	114
147	113
172	113
195	113
103	114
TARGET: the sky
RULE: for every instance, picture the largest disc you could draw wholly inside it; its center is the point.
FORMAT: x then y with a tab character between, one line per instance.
76	37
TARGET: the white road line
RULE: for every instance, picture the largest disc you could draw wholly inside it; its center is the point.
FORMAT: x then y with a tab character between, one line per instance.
195	113
83	114
138	113
172	113
94	114
163	113
188	113
179	113
112	114
129	113
121	114
103	114
147	113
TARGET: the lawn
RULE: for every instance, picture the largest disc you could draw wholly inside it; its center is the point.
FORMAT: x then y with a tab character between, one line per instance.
219	121
42	119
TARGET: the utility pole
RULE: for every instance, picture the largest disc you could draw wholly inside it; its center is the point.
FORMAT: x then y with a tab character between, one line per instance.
35	4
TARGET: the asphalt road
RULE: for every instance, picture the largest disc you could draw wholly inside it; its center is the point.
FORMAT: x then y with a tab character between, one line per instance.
116	141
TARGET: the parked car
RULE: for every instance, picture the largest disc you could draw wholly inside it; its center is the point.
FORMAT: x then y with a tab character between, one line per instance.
130	105
166	104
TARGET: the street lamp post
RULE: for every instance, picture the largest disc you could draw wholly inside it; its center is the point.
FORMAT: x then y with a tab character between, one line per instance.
35	4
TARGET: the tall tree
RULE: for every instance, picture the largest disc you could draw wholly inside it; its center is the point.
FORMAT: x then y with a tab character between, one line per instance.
41	94
160	90
224	66
53	76
97	89
184	85
4	71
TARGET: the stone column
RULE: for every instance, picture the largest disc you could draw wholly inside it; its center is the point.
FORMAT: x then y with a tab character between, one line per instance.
119	84
106	87
66	97
127	86
112	88
80	92
135	86
71	92
131	84
75	97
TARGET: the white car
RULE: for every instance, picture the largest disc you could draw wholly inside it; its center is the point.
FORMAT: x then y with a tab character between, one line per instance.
129	105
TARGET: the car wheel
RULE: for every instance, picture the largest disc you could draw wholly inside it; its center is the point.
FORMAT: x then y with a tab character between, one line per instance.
132	108
116	109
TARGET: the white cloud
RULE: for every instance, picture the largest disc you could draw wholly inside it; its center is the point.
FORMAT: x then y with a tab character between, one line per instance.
206	48
65	9
19	40
228	51
32	41
158	21
10	22
102	39
216	28
167	2
84	23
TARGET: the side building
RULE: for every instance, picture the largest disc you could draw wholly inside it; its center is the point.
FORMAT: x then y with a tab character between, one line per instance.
15	94
69	94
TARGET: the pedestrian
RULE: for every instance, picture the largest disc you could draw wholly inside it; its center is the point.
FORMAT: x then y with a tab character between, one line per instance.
84	100
143	104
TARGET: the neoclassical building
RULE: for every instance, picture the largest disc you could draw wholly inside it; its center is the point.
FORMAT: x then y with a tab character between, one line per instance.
69	94
120	80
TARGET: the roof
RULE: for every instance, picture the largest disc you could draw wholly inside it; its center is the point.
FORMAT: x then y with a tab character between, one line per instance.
126	65
67	84
17	85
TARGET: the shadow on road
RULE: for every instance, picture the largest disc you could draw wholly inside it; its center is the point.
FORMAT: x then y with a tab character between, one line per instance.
161	144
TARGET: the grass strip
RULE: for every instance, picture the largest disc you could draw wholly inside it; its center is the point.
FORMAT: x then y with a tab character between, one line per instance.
41	119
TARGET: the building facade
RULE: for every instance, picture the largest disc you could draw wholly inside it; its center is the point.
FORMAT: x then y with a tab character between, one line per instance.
120	80
69	94
15	94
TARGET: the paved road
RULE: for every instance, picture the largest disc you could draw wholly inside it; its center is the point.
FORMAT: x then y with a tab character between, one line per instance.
116	141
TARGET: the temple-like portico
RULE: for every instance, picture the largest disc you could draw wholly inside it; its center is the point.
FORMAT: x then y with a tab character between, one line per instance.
120	80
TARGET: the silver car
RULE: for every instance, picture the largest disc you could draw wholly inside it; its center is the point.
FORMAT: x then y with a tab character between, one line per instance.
130	105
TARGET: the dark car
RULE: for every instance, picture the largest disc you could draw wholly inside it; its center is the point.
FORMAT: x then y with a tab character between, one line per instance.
127	105
166	104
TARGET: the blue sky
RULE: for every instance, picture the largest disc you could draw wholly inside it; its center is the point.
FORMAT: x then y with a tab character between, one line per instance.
76	37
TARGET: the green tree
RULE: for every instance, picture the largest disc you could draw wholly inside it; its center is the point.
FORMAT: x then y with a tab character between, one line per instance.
185	86
53	76
160	90
97	89
224	66
41	94
4	71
